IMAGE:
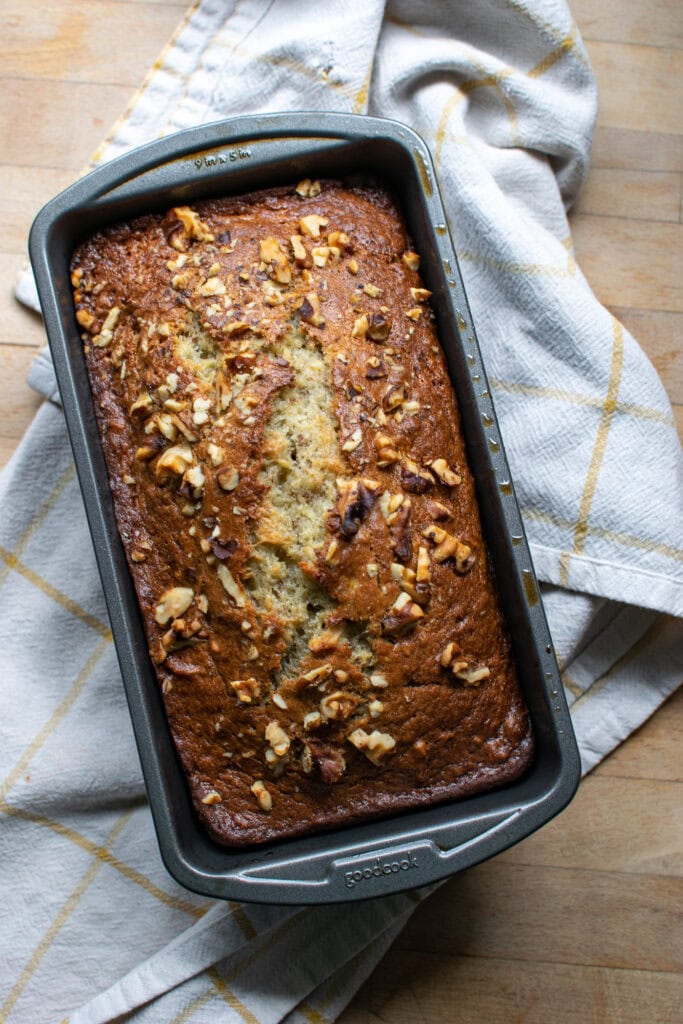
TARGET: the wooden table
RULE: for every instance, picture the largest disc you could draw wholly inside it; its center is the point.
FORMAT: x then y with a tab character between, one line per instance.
579	922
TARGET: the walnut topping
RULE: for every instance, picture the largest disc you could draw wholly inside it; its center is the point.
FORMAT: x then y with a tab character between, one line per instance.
277	738
338	705
353	441
200	410
472	676
173	462
85	319
279	701
376	368
445	474
393	397
193	482
315	676
183	225
353	267
247	690
212	286
310	310
107	330
411	260
356	498
308	189
275	260
172	604
399	531
379	681
323	759
331	553
372	290
414	479
386	452
230	585
215	453
298	248
436	510
403	615
321	254
265	800
212	798
311	225
448	546
423	571
420	294
142	404
228	479
236	327
375	707
415	313
379	328
375	745
312	720
360	327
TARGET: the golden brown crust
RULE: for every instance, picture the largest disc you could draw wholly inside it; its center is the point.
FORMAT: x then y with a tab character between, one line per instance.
198	326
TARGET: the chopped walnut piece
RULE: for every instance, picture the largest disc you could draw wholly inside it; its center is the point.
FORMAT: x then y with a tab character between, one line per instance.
399	531
411	260
420	294
472	676
308	189
315	675
310	310
338	705
436	510
142	404
380	327
448	546
414	479
372	290
236	327
106	333
378	680
298	248
325	760
331	553
172	604
311	225
200	410
265	800
275	259
353	267
376	368
212	798
215	453
320	255
246	690
386	452
228	479
277	738
230	585
183	225
85	319
403	615
312	720
375	745
360	327
353	441
193	483
394	397
173	462
356	498
445	474
212	286
375	707
415	313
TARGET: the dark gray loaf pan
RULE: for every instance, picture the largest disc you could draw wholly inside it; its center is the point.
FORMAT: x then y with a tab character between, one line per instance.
408	849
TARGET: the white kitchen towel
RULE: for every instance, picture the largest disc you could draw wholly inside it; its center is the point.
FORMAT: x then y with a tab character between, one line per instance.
93	928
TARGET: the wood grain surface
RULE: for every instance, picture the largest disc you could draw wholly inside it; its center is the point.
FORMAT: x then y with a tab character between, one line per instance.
581	922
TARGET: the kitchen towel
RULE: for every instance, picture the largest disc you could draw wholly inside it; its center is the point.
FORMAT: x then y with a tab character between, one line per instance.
93	928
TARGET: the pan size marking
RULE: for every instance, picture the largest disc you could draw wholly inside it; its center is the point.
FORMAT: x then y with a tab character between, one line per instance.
217	159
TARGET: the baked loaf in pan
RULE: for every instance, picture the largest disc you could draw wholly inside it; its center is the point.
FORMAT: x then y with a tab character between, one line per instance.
292	492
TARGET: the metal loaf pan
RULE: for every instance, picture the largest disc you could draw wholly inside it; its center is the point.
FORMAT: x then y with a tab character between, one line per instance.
408	849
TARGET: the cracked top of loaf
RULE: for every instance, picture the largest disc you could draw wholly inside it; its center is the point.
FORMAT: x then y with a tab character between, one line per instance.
293	495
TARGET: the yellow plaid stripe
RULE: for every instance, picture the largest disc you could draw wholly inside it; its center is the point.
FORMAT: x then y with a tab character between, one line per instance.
59	921
62	483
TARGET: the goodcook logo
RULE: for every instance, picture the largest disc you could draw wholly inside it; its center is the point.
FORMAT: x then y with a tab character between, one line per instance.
379	868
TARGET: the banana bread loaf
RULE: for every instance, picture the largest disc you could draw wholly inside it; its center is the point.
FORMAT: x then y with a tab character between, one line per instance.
292	492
